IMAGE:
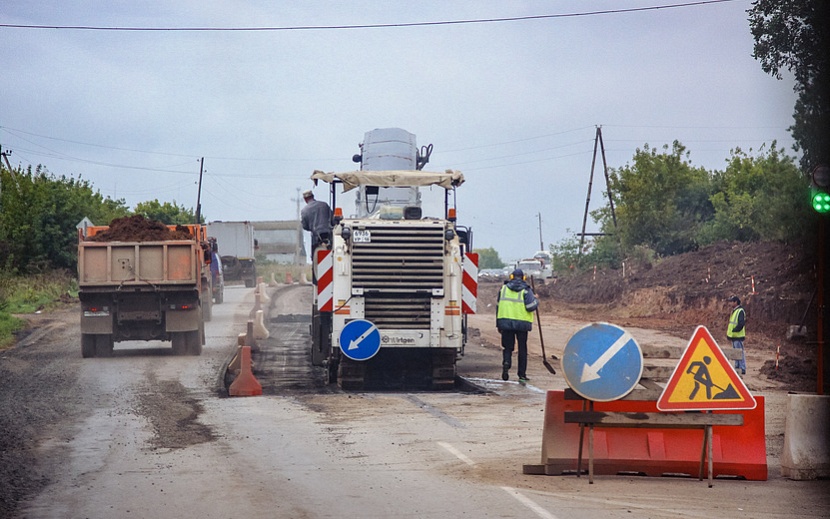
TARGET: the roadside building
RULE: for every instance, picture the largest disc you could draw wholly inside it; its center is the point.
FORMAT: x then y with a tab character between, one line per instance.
281	241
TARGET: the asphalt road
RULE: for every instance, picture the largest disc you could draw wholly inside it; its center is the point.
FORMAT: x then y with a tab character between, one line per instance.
149	434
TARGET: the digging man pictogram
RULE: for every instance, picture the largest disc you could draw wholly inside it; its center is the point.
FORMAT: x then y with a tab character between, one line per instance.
701	376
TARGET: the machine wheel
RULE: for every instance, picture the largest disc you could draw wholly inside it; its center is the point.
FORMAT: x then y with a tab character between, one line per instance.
351	374
103	345
250	282
320	337
443	368
87	345
220	296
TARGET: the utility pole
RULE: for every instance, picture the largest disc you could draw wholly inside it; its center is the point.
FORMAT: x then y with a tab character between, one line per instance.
5	155
597	143
541	242
199	193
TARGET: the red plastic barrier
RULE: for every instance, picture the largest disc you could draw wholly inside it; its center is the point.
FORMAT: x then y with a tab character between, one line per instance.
245	384
738	451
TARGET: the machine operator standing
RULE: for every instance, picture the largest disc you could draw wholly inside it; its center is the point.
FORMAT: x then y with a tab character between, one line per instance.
514	319
316	219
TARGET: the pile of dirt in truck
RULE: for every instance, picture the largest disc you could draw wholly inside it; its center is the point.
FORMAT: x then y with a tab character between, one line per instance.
775	281
140	229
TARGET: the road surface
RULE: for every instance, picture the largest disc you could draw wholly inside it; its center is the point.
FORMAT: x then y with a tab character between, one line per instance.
149	434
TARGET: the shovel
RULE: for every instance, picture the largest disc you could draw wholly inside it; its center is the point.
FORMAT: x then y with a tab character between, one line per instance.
541	338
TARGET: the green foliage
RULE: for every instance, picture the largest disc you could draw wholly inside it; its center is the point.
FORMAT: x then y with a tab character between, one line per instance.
566	255
758	198
660	202
38	215
664	206
21	295
795	36
489	258
8	326
167	213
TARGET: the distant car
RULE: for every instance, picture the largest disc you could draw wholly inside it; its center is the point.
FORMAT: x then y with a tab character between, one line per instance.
217	282
491	275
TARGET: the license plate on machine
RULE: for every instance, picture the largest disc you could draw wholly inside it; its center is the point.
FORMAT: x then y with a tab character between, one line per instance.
362	236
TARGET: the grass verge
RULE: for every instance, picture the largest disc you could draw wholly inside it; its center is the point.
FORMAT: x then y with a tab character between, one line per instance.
28	294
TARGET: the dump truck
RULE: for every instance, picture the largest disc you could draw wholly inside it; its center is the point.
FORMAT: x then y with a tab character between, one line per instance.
135	285
408	279
236	247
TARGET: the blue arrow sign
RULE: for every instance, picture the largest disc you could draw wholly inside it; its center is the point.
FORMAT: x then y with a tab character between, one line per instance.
360	340
602	362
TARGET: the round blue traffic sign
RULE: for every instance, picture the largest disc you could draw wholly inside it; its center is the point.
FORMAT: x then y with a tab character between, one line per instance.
360	340
602	362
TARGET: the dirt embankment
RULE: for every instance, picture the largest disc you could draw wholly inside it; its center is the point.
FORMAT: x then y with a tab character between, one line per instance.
775	282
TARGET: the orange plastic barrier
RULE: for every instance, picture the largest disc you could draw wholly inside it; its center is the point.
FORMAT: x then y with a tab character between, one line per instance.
738	451
245	384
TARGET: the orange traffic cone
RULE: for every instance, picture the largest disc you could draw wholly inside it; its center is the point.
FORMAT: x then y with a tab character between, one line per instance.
245	384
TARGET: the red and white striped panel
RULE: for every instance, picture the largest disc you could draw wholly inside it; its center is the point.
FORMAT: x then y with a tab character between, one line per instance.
325	276
469	283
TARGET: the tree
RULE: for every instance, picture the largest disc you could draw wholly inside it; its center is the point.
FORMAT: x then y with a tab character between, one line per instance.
758	198
661	201
795	35
489	258
167	213
38	215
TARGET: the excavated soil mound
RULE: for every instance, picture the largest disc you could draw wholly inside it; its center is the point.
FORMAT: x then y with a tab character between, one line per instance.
776	282
140	229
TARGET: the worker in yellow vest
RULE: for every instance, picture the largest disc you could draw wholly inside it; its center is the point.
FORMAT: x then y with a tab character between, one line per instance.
514	319
736	331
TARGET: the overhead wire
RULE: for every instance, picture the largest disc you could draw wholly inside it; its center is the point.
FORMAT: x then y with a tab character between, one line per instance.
367	26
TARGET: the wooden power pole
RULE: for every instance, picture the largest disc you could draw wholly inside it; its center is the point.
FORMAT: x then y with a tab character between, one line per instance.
597	144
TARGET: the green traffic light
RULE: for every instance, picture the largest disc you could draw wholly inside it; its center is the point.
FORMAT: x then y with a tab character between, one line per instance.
821	202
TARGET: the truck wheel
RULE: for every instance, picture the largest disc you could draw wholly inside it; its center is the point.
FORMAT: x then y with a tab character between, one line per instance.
87	345
194	342
207	307
103	345
179	340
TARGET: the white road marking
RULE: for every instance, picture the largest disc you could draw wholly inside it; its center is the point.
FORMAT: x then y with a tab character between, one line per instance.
541	512
458	454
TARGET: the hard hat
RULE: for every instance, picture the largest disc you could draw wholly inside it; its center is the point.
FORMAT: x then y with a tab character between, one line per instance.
308	194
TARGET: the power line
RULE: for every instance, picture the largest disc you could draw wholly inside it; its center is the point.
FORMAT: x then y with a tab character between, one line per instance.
363	26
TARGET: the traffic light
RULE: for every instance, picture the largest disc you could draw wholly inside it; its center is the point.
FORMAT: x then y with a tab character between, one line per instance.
820	186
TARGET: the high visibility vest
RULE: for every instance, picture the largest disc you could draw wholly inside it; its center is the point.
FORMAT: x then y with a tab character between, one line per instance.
733	322
512	305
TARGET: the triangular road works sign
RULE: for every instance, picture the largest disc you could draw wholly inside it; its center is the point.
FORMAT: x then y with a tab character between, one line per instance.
704	380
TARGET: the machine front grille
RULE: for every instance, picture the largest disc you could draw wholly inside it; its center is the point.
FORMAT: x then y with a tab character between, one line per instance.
398	271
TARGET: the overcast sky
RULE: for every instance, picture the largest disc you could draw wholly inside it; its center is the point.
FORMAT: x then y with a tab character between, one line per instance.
514	105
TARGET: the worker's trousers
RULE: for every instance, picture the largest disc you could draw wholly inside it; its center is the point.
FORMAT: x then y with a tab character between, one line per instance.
508	338
740	364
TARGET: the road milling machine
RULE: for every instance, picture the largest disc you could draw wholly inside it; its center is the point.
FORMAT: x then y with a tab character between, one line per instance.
394	286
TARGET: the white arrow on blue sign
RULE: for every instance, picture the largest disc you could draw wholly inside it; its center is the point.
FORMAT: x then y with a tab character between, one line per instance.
602	362
360	340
